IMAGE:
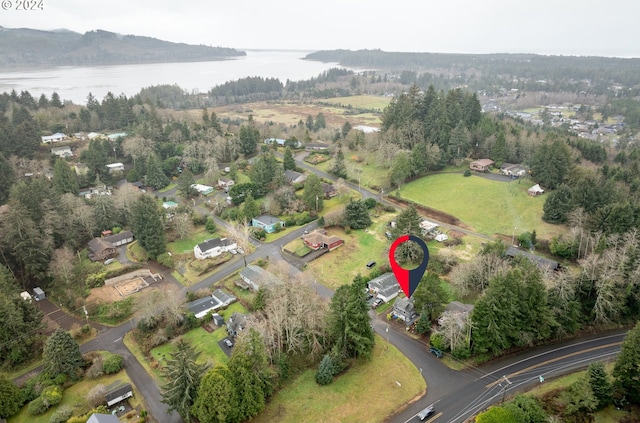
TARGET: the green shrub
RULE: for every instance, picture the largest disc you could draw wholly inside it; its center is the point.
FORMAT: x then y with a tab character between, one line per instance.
321	221
467	173
325	371
370	203
61	415
112	364
37	406
166	260
210	226
437	340
51	395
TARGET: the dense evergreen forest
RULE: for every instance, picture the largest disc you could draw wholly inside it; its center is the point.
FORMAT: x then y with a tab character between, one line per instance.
528	72
28	47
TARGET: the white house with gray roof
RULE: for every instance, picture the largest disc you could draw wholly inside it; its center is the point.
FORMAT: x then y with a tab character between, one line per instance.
213	248
384	287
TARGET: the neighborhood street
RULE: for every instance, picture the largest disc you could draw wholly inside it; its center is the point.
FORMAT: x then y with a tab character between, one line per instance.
457	394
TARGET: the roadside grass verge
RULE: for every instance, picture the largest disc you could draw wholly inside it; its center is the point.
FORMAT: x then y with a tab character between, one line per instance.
350	398
167	188
488	207
340	266
136	253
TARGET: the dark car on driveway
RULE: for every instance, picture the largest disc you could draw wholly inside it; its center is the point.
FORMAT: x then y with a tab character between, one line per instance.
436	352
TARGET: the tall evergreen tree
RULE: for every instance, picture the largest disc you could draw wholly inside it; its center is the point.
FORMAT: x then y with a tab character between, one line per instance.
62	356
339	168
499	151
216	401
21	321
288	161
249	136
155	175
408	223
250	208
600	384
401	168
356	215
183	374
263	171
313	195
350	323
551	164
186	180
557	205
146	222
6	178
627	370
64	179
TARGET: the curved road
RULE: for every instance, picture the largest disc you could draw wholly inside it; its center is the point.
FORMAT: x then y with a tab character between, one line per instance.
457	395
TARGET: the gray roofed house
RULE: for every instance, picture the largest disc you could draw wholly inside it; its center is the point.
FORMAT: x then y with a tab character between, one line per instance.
385	287
268	223
201	307
294	177
118	394
540	261
223	298
100	249
103	418
213	247
236	323
256	276
119	239
404	309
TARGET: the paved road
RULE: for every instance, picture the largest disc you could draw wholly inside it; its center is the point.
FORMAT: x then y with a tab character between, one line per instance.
460	395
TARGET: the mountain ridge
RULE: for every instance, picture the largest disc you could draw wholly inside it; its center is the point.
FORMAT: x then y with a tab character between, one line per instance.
26	47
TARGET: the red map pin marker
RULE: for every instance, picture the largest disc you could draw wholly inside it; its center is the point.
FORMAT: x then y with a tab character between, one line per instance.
408	279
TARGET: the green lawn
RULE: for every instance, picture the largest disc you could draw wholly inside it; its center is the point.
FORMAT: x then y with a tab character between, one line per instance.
367	392
364	165
74	396
343	264
485	206
205	342
180	246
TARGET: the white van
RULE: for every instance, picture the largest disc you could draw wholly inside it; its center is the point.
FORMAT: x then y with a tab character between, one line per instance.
426	412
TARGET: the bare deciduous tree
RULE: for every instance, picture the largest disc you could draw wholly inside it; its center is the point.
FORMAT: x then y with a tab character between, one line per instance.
475	275
182	224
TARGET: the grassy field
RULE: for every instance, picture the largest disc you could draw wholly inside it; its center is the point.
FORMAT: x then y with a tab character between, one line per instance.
485	206
203	341
371	173
366	393
342	265
363	101
75	397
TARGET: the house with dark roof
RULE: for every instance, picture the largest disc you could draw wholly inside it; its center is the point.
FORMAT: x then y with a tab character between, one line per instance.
329	191
482	165
202	306
213	248
319	239
540	261
267	223
255	277
223	298
118	394
403	308
236	323
294	177
121	238
100	249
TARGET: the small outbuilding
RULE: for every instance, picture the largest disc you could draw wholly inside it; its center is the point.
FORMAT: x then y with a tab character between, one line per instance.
38	294
535	190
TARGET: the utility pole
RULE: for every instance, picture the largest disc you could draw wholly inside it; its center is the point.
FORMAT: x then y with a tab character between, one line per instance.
504	388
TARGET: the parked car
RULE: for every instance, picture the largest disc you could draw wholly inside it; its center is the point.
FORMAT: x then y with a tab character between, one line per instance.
436	352
228	343
426	412
371	264
376	303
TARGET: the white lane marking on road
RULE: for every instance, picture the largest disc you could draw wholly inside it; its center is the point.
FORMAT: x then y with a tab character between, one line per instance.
119	339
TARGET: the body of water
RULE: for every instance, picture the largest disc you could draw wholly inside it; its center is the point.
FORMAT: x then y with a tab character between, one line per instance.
76	82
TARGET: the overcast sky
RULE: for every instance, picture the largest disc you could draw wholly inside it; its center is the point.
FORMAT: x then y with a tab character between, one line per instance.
567	27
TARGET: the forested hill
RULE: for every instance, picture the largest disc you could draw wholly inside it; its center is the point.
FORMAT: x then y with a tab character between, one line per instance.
533	66
29	47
